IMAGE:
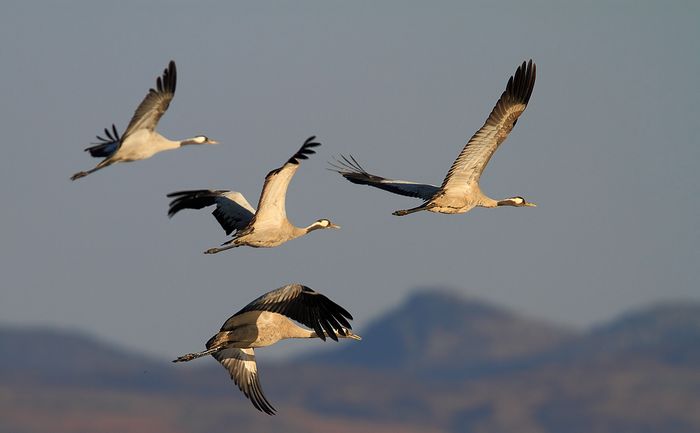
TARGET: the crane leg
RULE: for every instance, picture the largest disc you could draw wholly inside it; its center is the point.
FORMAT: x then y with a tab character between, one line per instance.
80	174
191	356
218	250
424	206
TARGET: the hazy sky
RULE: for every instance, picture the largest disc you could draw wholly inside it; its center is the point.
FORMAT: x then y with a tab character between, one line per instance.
608	149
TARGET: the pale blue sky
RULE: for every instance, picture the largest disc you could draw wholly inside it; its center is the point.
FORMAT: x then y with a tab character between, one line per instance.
608	149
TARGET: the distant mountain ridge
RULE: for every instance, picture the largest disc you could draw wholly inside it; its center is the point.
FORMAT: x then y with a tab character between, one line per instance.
438	362
439	331
665	332
66	357
432	329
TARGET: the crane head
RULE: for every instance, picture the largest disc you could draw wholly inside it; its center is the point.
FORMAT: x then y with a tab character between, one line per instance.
327	224
516	202
200	139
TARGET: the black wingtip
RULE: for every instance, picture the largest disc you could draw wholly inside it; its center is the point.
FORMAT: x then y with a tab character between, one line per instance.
192	199
305	150
105	146
168	81
110	136
260	402
265	407
318	329
347	165
172	76
522	83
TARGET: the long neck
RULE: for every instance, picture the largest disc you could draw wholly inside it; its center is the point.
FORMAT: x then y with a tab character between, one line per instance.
160	143
187	141
295	232
295	331
315	226
507	202
481	199
325	334
486	201
303	333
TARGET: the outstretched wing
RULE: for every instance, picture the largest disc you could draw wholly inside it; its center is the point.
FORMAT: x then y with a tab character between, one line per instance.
155	103
241	365
106	145
304	305
271	206
470	163
232	211
351	170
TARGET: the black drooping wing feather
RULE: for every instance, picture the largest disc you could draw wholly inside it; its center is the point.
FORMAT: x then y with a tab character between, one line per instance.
192	199
304	305
106	145
233	212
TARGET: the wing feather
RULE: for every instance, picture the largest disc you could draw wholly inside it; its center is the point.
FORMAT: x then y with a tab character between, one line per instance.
107	145
272	203
243	369
156	102
470	163
304	305
351	170
233	212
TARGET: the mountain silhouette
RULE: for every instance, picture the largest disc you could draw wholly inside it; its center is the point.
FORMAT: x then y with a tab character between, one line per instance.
438	362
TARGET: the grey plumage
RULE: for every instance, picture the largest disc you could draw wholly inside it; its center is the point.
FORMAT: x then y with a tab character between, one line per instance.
265	321
140	139
233	212
156	102
472	160
268	226
243	370
304	305
351	170
460	190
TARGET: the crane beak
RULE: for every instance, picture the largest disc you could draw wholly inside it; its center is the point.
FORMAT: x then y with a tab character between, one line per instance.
333	226
528	204
213	141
